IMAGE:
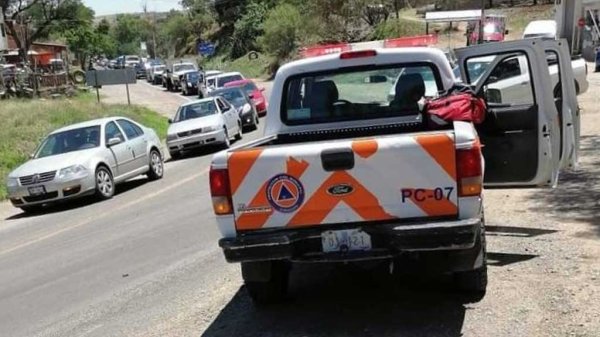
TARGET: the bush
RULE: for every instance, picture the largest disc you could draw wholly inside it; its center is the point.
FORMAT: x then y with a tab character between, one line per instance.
282	29
394	28
247	29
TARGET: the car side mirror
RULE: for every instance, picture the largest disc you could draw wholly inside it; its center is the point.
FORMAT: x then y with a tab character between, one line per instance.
31	155
114	141
170	121
506	32
251	95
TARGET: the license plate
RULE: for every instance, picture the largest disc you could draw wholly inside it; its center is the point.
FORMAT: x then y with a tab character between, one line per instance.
36	190
345	240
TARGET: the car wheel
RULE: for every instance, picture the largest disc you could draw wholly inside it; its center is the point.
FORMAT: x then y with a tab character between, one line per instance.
266	281
238	136
105	186
227	143
33	209
157	168
175	155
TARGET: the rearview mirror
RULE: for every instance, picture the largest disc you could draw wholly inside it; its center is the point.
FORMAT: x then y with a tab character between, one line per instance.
113	141
376	79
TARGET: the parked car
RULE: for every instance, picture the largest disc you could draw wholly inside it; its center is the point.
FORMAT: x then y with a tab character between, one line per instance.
148	65
224	78
132	61
242	103
209	121
140	70
190	82
206	82
254	92
83	159
541	29
172	76
156	74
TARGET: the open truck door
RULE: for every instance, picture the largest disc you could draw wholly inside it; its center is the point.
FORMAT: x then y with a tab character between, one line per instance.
520	138
565	98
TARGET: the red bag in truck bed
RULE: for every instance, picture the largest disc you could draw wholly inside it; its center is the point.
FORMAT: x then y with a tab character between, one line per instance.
457	106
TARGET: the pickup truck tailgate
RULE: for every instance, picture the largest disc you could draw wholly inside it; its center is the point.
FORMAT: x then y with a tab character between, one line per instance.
346	181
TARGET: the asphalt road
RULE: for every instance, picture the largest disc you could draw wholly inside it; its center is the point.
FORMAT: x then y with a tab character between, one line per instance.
146	263
97	268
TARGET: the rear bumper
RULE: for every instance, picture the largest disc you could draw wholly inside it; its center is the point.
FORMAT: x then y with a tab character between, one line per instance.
388	241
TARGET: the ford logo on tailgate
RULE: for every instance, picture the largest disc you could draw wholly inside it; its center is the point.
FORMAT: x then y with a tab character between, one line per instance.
340	189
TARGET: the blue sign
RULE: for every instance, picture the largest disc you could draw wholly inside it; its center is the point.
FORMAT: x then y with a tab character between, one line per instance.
206	48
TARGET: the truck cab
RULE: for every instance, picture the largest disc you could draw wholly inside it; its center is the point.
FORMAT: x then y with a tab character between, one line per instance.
344	174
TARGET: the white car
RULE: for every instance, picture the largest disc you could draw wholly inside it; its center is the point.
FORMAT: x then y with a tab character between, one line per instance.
209	121
85	158
541	29
224	78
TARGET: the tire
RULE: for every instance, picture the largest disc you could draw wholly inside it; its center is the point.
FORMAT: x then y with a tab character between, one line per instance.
473	283
157	168
266	282
33	209
597	69
227	142
105	186
175	155
239	136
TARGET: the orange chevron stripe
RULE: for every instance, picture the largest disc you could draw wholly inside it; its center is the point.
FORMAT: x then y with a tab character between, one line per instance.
316	209
247	221
365	148
239	164
441	148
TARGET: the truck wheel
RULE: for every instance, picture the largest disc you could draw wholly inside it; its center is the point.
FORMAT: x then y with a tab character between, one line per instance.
473	283
266	281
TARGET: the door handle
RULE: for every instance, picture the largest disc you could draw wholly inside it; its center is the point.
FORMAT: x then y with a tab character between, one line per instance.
545	132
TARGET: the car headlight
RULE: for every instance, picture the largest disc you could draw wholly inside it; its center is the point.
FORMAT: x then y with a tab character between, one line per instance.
171	137
12	182
246	108
72	171
209	128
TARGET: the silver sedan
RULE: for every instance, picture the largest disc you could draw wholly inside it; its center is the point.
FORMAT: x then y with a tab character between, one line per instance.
84	159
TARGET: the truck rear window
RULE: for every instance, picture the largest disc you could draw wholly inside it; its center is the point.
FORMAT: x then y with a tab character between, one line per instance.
359	93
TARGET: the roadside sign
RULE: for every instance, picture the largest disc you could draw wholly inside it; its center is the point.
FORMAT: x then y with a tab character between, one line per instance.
206	48
143	46
96	78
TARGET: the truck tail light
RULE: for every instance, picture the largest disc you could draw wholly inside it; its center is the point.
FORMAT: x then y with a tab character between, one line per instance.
220	192
469	172
357	54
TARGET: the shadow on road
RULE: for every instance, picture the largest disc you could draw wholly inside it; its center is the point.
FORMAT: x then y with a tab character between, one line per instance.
341	301
517	231
80	202
576	197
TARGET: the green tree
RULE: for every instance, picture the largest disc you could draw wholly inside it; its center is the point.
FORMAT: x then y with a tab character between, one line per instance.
129	30
42	17
282	30
103	27
248	28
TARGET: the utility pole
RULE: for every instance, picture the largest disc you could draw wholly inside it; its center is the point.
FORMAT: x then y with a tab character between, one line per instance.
481	20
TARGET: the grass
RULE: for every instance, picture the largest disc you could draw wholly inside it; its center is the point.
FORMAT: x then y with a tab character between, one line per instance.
256	68
26	122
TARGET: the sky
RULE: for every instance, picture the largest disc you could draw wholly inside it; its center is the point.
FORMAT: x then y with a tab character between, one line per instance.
106	7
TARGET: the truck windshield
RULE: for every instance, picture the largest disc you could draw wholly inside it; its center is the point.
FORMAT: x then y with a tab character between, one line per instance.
359	93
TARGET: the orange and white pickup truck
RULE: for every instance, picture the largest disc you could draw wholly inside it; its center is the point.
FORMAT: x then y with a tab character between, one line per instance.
343	174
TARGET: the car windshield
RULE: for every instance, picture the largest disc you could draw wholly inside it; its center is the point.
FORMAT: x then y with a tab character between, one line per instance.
159	68
226	79
193	77
196	110
69	141
492	28
250	88
182	67
343	95
233	96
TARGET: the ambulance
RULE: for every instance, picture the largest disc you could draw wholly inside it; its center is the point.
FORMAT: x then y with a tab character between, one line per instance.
346	174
